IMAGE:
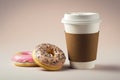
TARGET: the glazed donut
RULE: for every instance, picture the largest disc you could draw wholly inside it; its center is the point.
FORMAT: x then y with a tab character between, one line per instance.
49	56
24	59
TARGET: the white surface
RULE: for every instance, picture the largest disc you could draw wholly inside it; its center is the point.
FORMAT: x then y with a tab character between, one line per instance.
82	65
26	23
106	68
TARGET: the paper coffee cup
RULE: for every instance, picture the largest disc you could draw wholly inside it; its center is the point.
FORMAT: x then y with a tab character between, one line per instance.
81	30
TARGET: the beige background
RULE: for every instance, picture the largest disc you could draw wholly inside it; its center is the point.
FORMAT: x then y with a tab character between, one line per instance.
26	23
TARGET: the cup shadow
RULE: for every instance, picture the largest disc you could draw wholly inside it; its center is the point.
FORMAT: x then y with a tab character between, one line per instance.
108	68
98	67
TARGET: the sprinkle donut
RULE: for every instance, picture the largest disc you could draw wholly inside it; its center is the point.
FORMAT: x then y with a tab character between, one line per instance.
49	56
24	59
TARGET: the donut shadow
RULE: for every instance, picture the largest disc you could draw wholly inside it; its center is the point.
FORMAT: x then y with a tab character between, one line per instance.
65	67
27	66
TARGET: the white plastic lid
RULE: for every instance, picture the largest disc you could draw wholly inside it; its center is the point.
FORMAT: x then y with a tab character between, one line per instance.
80	17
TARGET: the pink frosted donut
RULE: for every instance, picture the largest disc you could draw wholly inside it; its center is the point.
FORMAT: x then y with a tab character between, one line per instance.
23	59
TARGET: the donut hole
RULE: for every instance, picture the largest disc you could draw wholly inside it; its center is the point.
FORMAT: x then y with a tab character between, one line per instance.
50	51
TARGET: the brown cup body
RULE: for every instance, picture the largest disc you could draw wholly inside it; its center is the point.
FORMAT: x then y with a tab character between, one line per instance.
82	47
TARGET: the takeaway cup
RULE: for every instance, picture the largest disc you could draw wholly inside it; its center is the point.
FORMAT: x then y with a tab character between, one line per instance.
81	33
